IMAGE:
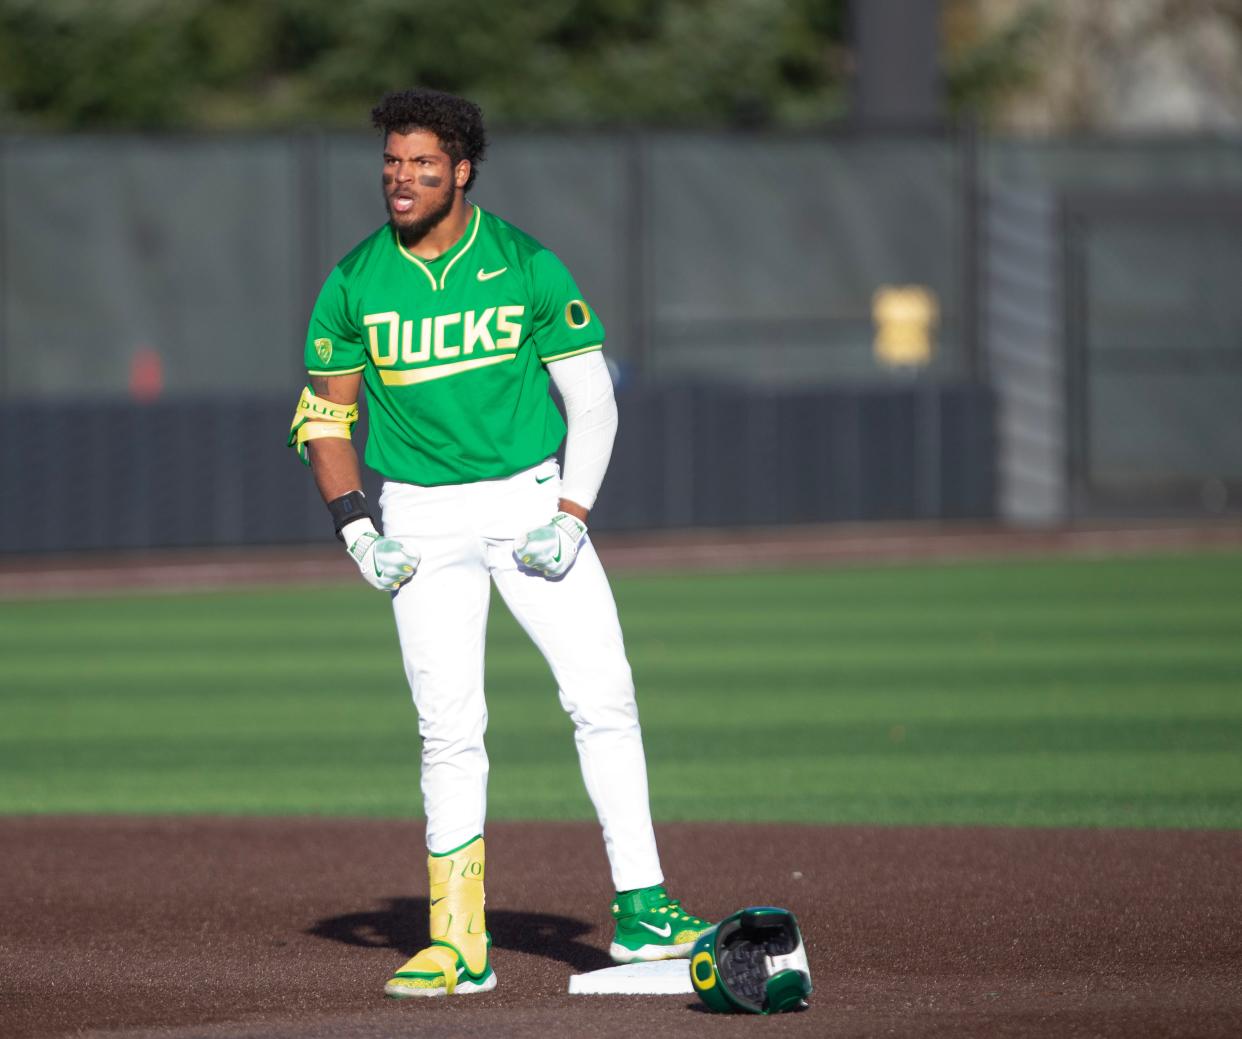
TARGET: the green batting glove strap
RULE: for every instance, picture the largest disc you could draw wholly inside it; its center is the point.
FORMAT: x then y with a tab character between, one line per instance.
551	549
385	563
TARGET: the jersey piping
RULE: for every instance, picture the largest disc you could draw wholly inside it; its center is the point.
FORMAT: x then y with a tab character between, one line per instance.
336	371
573	353
421	264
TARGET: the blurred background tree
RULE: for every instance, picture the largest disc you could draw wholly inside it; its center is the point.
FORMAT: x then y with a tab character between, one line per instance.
72	64
1038	65
1091	66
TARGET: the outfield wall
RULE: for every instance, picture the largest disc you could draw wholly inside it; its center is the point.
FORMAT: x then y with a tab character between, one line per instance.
746	258
1088	283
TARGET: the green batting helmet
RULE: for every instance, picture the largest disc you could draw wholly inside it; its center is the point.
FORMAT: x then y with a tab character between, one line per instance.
752	962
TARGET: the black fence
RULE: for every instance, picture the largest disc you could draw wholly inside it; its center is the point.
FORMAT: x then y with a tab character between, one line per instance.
215	471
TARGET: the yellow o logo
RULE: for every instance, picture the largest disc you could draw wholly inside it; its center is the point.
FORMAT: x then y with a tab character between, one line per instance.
576	314
703	979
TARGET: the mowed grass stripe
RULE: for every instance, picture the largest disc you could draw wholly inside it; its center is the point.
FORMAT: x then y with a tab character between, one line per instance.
1101	692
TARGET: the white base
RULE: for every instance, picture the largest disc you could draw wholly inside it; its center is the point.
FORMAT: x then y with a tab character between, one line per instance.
660	978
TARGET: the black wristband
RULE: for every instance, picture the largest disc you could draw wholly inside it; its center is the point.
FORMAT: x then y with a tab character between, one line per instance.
346	509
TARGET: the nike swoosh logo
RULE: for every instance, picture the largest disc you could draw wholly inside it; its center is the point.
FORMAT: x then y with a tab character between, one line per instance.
489	275
437	901
543	479
663	932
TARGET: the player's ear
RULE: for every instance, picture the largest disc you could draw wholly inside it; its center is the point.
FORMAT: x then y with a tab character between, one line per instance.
461	173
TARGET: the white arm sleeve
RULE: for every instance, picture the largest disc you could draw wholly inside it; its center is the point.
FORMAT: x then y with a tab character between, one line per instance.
591	414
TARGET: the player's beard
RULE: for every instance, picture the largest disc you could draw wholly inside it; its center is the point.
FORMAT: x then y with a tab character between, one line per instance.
413	233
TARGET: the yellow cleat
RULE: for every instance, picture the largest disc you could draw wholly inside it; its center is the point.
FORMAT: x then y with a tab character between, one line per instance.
438	971
456	962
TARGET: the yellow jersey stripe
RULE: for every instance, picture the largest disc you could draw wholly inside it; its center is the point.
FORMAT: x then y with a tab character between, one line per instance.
572	353
416	261
336	371
478	215
473	234
440	371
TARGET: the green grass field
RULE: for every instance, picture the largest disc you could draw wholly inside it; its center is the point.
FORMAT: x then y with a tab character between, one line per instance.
1031	693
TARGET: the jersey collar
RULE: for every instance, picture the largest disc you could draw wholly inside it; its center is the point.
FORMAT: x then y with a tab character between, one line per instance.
444	261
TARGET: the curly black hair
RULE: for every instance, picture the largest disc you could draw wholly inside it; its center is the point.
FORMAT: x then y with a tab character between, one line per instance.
457	122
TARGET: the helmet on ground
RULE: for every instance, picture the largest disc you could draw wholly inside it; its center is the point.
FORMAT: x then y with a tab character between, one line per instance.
752	962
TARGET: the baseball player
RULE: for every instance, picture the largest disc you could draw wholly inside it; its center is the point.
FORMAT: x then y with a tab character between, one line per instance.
456	321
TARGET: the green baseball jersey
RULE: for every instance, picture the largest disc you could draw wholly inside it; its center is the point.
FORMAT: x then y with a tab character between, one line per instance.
453	350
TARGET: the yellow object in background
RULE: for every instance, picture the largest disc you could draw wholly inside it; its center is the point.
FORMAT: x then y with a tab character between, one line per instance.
905	319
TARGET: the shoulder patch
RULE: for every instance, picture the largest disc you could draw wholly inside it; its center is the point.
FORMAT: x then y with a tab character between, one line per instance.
576	314
323	350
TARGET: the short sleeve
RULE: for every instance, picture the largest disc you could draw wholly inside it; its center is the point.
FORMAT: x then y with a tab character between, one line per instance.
563	323
333	343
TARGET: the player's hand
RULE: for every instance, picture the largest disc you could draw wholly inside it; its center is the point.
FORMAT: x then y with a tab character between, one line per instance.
552	548
386	563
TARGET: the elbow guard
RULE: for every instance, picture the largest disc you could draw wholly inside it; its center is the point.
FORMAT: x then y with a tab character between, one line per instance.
316	418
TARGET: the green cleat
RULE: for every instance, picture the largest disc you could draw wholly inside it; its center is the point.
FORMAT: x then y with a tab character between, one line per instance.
652	926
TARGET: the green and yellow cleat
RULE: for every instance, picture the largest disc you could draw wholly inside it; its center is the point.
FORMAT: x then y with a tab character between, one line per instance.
439	971
456	962
652	926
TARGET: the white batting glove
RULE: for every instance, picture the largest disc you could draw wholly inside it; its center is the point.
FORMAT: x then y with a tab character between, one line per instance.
552	548
386	563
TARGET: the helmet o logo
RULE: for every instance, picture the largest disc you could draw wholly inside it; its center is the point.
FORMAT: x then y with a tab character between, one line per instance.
576	314
703	971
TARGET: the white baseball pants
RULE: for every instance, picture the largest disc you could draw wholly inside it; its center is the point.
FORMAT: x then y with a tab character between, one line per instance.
466	533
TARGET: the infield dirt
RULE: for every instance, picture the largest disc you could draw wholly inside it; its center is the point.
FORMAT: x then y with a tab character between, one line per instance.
179	927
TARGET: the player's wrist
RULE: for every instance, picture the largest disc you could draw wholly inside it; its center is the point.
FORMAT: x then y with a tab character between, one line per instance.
572	508
348	510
